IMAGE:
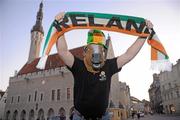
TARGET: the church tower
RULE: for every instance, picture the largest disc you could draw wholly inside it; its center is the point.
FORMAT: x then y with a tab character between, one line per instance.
37	34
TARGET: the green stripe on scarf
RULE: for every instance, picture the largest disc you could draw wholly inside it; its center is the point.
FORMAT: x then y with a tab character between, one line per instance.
108	16
47	38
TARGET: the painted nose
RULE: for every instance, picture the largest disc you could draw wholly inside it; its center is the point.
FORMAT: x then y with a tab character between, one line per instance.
96	60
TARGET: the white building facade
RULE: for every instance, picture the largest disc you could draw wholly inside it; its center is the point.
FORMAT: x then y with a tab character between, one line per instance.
170	89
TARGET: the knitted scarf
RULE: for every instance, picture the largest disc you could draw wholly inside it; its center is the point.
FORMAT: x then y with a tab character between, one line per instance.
118	23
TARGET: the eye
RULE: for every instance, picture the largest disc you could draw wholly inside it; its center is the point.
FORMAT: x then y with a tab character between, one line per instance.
85	49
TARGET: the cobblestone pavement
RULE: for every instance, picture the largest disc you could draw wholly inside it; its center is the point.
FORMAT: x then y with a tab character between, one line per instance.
157	117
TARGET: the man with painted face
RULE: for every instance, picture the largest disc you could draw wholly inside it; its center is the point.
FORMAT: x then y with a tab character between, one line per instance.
92	75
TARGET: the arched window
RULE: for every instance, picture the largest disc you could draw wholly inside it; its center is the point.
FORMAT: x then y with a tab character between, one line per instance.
71	112
8	115
23	115
62	112
15	114
31	115
50	113
41	114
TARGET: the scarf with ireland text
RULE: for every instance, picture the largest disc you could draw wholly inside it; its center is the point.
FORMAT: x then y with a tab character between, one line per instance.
117	23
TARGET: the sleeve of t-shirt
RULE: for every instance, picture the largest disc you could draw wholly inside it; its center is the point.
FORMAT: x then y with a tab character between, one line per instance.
76	65
113	67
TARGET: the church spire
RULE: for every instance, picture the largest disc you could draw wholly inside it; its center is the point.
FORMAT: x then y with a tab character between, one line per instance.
38	26
37	34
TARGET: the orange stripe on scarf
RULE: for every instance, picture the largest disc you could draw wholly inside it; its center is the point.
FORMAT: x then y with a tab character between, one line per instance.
115	29
157	45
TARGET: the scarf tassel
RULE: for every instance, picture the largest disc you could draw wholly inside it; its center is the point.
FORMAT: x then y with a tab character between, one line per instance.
161	65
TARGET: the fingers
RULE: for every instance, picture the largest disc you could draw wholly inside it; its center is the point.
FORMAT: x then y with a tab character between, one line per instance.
59	16
149	24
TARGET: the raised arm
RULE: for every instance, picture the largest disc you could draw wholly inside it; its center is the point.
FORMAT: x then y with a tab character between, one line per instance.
62	48
133	50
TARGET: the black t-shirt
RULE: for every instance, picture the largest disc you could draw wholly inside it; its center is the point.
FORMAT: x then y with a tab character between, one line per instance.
91	91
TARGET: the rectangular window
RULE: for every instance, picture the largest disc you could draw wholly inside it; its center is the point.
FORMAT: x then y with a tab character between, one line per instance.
41	97
177	93
68	93
171	95
12	99
18	99
35	96
170	85
165	97
163	87
29	98
53	95
58	94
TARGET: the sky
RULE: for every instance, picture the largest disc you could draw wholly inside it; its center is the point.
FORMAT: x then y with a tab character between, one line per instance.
17	18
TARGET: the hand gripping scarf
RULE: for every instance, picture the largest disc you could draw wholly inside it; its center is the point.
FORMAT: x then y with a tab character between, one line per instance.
118	23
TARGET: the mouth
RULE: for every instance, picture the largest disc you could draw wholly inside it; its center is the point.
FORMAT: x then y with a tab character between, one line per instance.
96	62
96	65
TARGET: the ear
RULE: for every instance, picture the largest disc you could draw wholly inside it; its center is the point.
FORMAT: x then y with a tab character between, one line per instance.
85	48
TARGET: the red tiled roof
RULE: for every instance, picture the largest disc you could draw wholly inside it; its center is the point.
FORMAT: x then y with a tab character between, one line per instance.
53	61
